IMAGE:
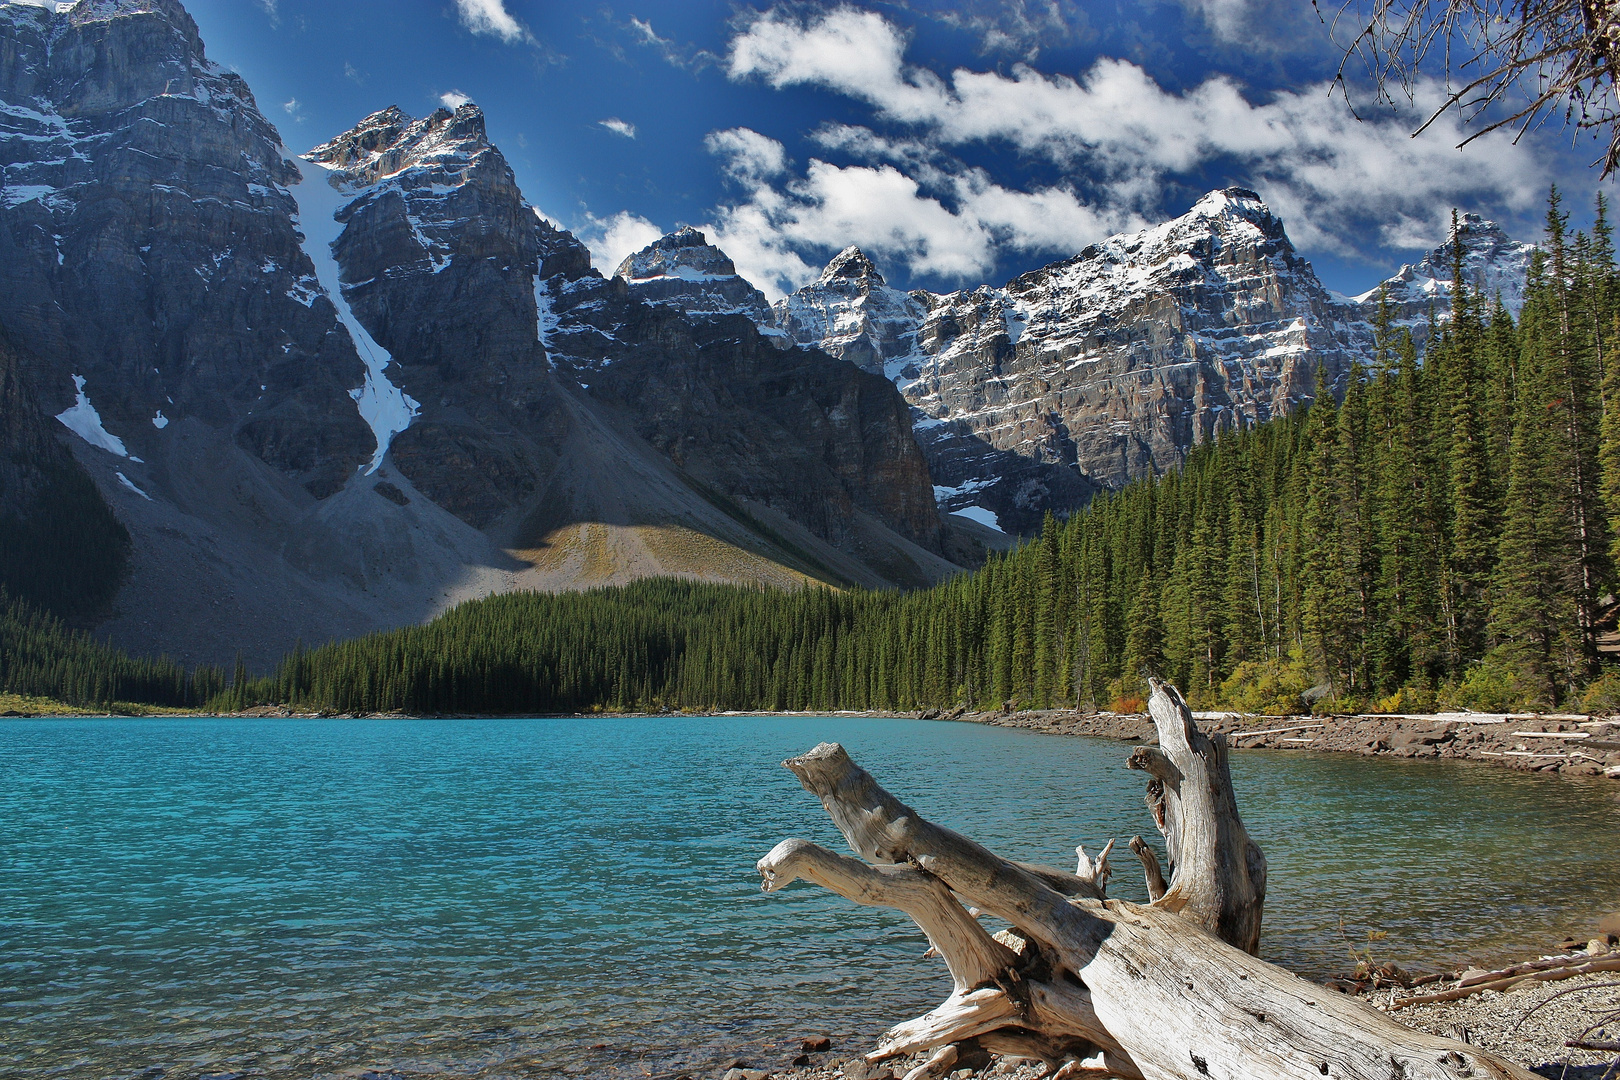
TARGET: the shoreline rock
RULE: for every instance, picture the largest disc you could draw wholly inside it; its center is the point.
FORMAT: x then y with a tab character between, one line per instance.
1564	744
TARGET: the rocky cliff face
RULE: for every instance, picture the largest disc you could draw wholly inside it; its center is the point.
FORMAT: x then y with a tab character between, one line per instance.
317	390
147	245
795	430
1118	360
439	255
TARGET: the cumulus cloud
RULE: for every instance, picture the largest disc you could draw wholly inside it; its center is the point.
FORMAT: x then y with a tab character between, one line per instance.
749	156
491	17
947	220
1329	174
453	99
613	238
619	127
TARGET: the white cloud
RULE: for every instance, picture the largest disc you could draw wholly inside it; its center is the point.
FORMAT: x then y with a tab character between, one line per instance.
613	238
270	9
749	156
946	221
1269	26
295	109
1326	172
491	17
648	35
686	57
453	99
619	127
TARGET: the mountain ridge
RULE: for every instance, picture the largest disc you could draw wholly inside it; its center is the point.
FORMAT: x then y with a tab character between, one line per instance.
312	440
1115	362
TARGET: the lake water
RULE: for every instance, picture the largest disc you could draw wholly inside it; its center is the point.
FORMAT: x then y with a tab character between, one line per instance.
494	898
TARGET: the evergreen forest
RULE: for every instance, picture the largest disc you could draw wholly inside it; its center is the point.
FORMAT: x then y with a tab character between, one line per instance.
1441	528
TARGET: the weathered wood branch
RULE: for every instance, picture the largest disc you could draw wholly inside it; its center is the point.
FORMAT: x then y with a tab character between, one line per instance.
1156	885
972	955
1217	874
1550	974
1167	991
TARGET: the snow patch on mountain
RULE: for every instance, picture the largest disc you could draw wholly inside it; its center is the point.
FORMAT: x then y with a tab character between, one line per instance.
384	407
127	482
83	420
984	517
546	319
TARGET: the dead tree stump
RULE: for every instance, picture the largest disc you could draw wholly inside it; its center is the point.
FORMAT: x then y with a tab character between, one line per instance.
1169	990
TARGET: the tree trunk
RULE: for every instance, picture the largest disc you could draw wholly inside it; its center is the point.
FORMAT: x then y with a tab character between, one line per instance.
1164	990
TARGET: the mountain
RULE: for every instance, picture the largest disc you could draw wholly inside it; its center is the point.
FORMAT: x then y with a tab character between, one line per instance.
1493	262
686	271
513	372
318	392
1111	365
852	313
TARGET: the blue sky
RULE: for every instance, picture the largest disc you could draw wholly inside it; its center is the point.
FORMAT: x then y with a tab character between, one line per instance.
957	143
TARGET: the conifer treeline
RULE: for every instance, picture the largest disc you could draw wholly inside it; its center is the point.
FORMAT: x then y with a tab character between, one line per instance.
41	657
1443	533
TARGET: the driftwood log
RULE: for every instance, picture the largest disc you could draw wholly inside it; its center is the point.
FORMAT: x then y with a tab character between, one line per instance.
1098	987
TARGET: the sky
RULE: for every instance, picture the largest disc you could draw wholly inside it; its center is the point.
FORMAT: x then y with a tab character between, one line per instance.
958	144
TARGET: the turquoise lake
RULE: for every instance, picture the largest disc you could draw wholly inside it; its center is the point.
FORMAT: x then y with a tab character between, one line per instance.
513	898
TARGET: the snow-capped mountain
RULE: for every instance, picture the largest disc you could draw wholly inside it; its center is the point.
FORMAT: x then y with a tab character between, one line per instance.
852	313
1493	262
686	271
1113	364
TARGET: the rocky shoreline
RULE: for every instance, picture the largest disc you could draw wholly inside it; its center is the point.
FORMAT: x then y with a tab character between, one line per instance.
1530	1024
1529	742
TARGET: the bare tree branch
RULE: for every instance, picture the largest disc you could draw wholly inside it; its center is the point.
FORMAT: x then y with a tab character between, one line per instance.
1504	63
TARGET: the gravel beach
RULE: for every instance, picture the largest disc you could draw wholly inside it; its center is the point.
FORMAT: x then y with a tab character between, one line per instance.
1528	1024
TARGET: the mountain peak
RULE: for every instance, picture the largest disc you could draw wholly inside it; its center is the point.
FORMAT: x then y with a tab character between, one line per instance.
851	264
390	141
1231	204
684	269
685	253
94	11
1493	262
